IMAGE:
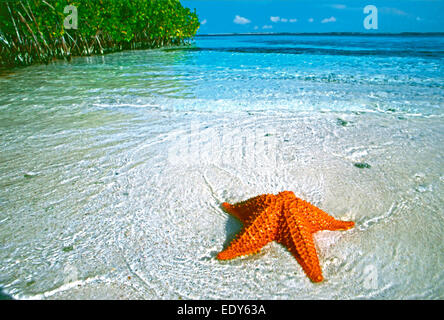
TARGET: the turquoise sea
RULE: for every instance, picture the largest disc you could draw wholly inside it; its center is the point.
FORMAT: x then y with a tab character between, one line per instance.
113	168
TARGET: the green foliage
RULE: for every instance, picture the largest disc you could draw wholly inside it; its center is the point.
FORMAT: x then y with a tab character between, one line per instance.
32	30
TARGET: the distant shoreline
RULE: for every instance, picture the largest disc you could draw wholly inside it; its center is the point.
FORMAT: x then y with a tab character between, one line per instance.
382	34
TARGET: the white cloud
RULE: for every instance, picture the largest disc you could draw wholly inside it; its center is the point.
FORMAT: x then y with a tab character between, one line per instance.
339	6
279	19
393	11
275	19
256	27
267	27
327	20
241	20
310	20
204	21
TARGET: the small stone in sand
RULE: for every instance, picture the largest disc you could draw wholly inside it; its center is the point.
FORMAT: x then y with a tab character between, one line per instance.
68	249
362	165
341	122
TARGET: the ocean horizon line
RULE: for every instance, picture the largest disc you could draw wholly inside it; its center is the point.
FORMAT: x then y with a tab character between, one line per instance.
377	34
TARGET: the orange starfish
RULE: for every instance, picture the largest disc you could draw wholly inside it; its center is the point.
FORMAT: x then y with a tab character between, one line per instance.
283	218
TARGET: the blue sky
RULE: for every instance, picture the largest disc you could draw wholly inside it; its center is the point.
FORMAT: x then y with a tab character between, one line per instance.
238	16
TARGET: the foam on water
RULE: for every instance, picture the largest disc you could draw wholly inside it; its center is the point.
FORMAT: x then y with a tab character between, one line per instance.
113	170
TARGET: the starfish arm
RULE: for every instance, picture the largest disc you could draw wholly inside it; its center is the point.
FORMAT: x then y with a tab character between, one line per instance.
297	237
247	209
257	234
285	218
321	220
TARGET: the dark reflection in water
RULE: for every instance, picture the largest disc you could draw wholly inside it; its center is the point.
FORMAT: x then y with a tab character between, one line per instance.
413	46
321	51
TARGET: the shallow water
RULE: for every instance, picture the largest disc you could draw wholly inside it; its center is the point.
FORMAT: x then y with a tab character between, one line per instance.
113	168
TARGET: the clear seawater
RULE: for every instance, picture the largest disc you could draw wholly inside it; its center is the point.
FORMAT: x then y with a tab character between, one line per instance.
113	168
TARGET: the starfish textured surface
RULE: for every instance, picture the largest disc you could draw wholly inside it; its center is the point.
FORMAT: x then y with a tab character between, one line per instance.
286	219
